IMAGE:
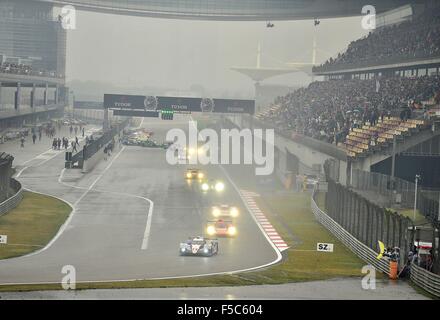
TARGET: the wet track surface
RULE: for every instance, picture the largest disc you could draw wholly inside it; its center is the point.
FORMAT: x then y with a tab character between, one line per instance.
110	235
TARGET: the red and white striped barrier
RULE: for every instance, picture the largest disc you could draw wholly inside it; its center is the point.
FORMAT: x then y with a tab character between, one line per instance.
273	235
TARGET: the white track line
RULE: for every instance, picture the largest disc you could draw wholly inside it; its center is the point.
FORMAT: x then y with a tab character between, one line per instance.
146	235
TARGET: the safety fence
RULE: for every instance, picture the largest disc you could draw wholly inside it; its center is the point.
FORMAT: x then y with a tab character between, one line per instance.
383	185
361	250
13	201
427	280
366	221
403	192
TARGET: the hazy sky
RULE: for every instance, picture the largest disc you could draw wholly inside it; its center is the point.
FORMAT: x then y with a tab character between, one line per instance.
138	51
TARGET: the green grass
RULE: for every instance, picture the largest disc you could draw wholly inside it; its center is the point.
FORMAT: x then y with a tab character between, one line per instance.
291	214
32	224
296	224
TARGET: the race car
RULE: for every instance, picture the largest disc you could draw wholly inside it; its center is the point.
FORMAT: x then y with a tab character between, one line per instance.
225	210
199	246
212	184
193	173
310	181
221	228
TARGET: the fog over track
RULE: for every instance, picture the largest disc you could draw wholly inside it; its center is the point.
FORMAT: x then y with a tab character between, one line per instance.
105	236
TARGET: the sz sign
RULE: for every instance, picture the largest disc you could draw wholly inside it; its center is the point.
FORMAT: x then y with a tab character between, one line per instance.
324	247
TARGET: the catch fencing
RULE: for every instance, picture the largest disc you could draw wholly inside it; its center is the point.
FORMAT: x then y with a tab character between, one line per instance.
404	193
365	220
360	249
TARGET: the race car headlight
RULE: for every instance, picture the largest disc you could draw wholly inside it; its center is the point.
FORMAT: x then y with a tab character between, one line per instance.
234	212
191	151
219	186
205	250
216	212
210	230
188	175
182	249
200	175
205	186
232	231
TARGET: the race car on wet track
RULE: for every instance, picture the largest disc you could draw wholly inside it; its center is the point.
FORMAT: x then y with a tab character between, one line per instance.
193	173
225	210
199	246
221	228
211	184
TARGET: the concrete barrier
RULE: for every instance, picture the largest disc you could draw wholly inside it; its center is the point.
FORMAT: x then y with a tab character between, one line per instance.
90	163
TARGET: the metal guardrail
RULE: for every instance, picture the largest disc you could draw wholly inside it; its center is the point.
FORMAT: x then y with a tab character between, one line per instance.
425	279
13	201
360	249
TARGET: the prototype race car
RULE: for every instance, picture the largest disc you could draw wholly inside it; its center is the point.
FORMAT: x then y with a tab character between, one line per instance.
211	184
225	210
221	228
193	173
199	246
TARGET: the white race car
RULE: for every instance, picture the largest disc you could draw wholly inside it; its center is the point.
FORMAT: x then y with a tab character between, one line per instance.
199	246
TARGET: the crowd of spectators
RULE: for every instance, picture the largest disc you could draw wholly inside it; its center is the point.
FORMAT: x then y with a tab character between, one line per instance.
416	38
23	69
328	110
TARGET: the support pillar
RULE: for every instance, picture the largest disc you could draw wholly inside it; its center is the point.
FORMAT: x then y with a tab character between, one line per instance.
17	97
33	96
45	95
105	125
55	95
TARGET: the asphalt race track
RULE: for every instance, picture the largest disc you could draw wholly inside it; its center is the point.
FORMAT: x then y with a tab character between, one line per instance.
130	213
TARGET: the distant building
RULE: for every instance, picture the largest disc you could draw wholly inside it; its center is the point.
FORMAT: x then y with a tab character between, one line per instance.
30	35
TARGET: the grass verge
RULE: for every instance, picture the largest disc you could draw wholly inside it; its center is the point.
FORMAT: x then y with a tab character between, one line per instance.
32	224
292	217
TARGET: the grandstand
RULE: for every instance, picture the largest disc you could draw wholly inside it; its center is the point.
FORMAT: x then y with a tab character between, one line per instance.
379	98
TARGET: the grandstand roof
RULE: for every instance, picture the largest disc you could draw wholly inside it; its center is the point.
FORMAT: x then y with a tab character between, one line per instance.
260	74
240	10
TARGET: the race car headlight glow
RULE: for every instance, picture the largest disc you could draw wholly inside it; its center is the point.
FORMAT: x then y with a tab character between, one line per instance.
210	230
234	212
205	250
200	175
188	175
232	231
219	186
205	186
200	151
182	249
191	151
216	212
